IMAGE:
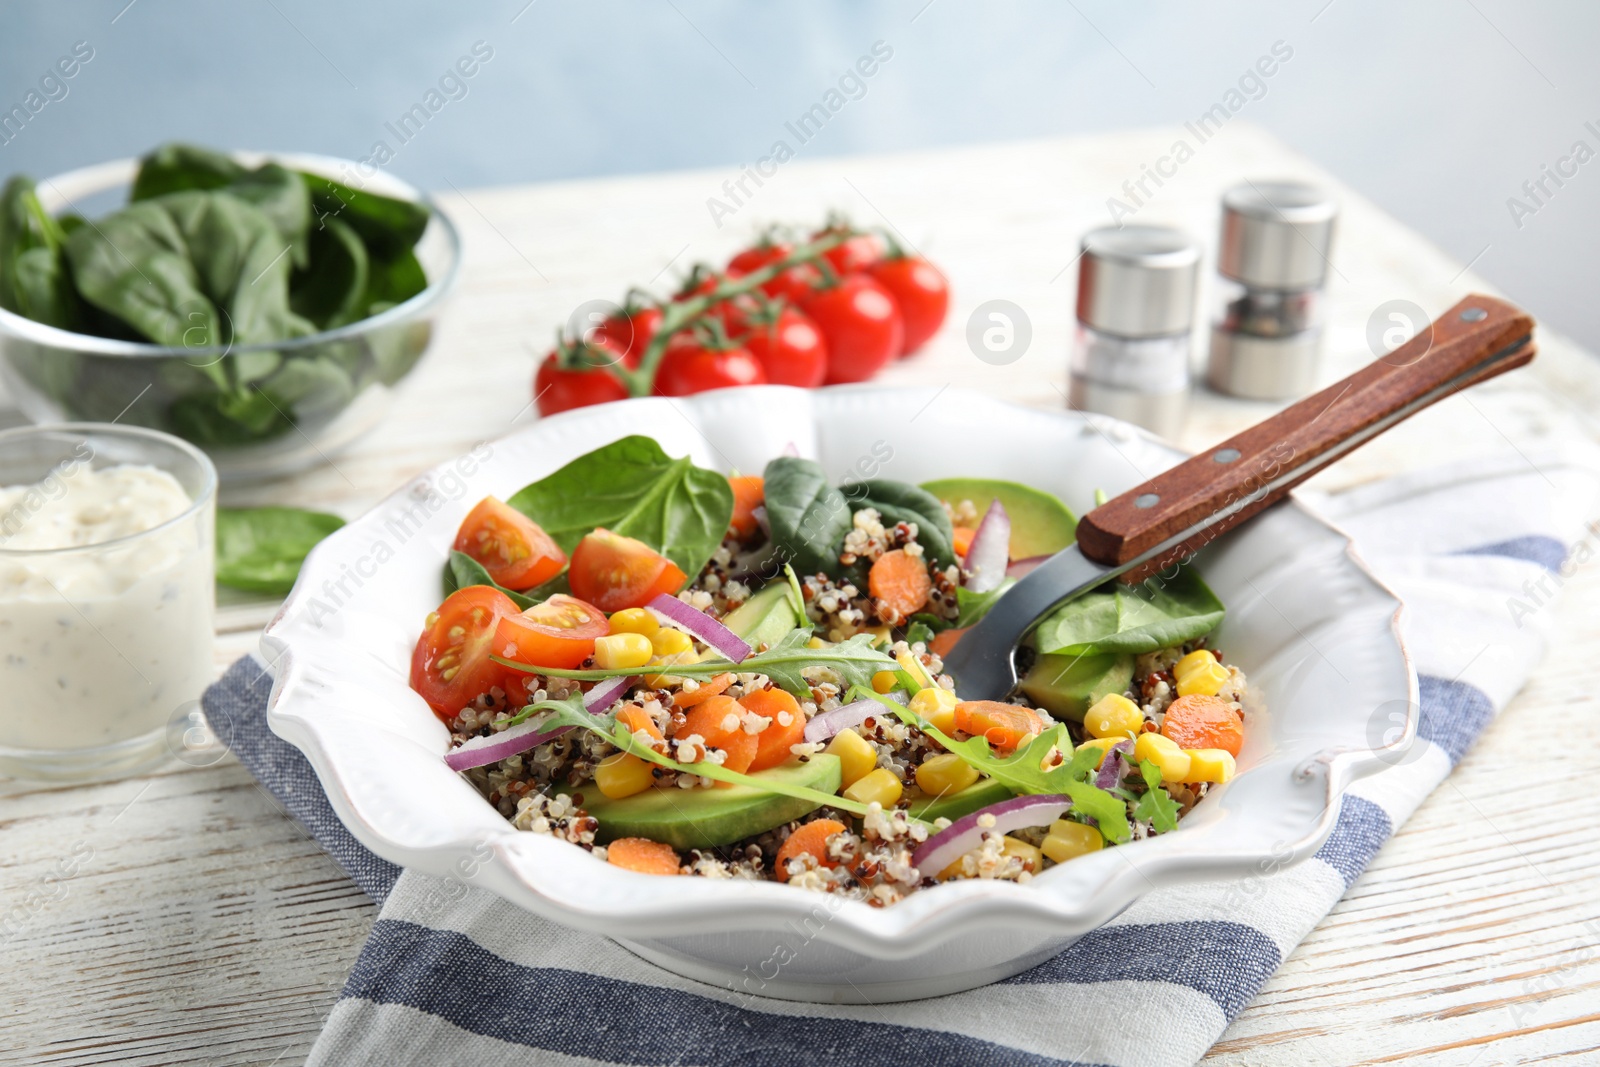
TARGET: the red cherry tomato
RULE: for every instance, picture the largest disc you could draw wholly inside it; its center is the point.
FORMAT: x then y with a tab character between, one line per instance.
789	347
558	633
861	324
613	572
792	284
922	293
557	388
451	666
688	366
512	547
628	334
701	280
858	252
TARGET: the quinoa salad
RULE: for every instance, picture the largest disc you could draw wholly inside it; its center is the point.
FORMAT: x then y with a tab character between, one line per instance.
687	673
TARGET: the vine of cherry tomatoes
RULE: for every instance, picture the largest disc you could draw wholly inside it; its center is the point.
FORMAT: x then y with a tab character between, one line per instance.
837	307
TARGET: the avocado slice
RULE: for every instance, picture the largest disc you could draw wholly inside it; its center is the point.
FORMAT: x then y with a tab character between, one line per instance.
979	794
1041	525
703	818
1067	686
767	616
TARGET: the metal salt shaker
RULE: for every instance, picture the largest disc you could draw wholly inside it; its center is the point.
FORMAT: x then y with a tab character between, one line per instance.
1272	263
1136	297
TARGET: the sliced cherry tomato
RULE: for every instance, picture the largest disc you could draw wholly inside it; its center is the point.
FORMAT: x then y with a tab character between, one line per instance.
792	284
614	572
557	388
512	547
922	294
789	347
861	324
749	493
690	366
451	666
857	253
558	633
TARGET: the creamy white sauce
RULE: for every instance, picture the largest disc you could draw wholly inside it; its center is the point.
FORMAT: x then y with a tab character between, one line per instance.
105	642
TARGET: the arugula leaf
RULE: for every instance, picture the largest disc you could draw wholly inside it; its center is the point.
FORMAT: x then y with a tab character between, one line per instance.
855	661
633	488
974	606
1156	807
260	549
808	516
918	631
1157	613
571	712
903	502
463	570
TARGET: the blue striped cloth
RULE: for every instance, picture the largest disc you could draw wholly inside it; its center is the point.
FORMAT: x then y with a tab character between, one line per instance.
452	974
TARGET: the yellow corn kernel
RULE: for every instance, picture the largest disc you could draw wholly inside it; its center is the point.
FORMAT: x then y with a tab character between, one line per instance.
945	773
635	621
884	681
881	635
937	706
817	642
622	774
622	651
1113	715
1200	657
1209	765
1165	754
1068	840
669	642
1101	743
856	757
913	666
1031	858
1199	674
880	785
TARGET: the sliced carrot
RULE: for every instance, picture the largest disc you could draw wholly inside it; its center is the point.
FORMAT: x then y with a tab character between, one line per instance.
749	493
1004	726
706	691
945	640
712	721
643	855
811	839
636	718
900	582
963	540
1197	721
772	744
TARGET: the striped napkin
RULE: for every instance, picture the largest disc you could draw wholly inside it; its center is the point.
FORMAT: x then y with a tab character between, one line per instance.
452	974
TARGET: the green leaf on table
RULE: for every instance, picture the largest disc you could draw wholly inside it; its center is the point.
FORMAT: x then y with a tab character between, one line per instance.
1156	807
260	550
902	502
633	488
463	571
808	516
1156	613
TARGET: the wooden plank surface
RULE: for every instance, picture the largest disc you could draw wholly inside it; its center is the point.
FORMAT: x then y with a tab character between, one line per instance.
180	918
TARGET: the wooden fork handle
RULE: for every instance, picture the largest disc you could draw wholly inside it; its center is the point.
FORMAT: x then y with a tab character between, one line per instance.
1178	512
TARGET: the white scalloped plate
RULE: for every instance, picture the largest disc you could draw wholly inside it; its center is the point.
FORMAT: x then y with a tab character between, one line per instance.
1316	633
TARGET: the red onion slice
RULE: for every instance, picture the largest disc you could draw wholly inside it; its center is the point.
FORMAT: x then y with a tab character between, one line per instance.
829	723
702	626
964	835
1021	568
1111	772
990	549
791	449
606	693
482	751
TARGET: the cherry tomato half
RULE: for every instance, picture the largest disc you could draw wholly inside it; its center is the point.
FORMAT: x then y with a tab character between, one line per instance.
690	367
614	572
922	293
451	666
557	388
790	349
861	324
512	547
558	633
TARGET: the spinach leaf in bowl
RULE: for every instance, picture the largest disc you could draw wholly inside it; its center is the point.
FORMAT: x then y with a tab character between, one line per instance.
260	550
33	274
277	191
387	225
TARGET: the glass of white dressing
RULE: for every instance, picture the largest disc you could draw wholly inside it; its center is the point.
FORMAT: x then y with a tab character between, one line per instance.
106	596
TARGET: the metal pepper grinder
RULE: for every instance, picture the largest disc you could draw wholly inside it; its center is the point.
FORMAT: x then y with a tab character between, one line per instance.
1272	263
1136	295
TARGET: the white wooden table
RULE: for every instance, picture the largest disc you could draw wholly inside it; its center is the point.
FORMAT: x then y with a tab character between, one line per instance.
181	918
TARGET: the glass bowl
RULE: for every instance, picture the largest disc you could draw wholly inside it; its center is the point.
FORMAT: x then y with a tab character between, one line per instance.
258	410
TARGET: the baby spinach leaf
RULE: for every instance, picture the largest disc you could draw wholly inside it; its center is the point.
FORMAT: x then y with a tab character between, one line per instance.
903	502
632	487
808	516
387	225
175	166
463	570
333	289
34	281
1157	613
276	190
260	549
